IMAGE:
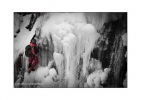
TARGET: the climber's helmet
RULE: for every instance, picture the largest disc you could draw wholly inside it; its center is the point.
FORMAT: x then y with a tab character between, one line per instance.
33	41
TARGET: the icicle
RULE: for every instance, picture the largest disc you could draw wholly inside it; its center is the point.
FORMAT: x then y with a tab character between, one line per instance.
59	59
69	44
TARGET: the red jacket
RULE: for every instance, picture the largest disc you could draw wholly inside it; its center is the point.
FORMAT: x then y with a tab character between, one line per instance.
32	49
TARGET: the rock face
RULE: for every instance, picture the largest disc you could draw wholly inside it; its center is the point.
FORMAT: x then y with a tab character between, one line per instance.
111	50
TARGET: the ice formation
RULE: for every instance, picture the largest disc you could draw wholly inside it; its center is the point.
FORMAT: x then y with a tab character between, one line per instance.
124	39
98	76
73	39
42	77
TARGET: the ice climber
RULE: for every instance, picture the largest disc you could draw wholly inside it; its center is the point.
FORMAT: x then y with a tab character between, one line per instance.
31	51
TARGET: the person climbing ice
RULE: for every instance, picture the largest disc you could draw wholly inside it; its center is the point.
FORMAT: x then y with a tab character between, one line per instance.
31	51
